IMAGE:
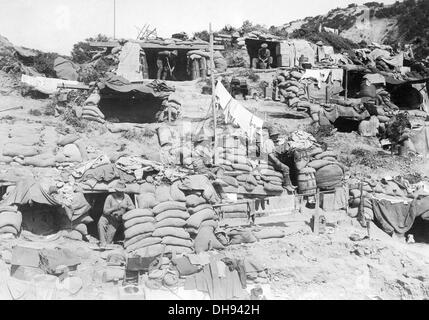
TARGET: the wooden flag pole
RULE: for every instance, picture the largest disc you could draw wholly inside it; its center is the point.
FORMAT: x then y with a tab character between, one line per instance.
213	93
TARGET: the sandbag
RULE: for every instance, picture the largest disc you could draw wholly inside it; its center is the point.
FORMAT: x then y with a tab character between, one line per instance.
147	188
15	150
242	167
11	218
144	243
329	176
72	152
8	229
169	205
137	220
193	200
162	194
295	74
137	229
92	100
200	208
269	172
171	231
317	164
91	118
326	154
230	181
40	161
6	159
176	193
67	139
205	237
196	219
169	240
137	213
170	222
180	214
135	239
269	187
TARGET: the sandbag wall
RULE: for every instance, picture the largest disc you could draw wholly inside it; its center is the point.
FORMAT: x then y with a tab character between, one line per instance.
292	90
90	110
376	189
159	223
328	172
10	220
39	146
236	170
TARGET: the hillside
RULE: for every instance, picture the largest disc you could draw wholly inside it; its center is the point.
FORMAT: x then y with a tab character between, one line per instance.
399	23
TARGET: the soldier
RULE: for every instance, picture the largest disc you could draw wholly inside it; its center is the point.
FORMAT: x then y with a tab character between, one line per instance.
166	64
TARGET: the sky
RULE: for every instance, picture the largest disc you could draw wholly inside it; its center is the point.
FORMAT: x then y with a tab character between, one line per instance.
55	25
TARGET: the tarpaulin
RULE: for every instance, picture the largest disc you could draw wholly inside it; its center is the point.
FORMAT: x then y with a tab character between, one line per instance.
46	85
120	84
129	63
27	191
394	217
65	69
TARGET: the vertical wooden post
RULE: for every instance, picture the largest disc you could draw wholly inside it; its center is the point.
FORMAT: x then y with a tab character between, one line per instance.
114	19
347	84
316	213
213	93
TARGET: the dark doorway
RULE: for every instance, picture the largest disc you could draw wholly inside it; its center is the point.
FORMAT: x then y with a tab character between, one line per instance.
181	71
406	97
40	219
253	47
420	230
96	200
129	107
346	125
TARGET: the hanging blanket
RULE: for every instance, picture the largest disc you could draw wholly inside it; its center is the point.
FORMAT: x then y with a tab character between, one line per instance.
394	217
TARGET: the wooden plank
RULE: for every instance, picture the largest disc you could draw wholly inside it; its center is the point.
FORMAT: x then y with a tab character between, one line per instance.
147	45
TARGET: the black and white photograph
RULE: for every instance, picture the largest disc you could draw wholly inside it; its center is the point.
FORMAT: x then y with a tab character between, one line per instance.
214	157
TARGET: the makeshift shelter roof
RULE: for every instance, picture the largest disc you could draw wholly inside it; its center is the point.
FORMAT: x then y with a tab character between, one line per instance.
27	191
168	44
120	84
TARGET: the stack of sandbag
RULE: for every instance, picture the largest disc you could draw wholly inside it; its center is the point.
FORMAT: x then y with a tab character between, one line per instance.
90	110
197	60
292	90
272	179
170	107
139	225
171	217
201	214
236	170
10	220
329	172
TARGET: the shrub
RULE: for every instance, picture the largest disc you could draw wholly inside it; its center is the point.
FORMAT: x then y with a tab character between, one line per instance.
44	63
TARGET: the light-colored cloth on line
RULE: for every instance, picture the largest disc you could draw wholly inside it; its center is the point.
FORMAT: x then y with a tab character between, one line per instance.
129	65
